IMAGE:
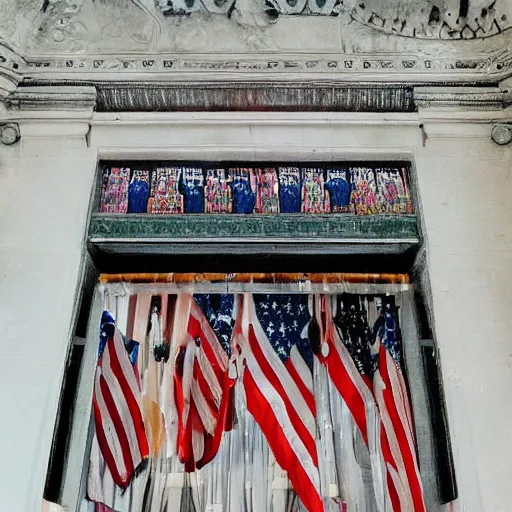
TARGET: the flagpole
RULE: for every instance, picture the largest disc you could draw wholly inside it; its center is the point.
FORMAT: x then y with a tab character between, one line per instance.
276	278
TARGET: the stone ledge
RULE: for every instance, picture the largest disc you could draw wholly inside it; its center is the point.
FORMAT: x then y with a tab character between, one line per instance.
52	98
480	98
291	228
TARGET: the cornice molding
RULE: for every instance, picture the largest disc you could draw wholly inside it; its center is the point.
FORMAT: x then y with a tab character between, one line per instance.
475	104
468	98
52	98
380	67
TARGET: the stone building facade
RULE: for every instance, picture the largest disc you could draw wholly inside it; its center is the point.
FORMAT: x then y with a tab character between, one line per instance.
428	82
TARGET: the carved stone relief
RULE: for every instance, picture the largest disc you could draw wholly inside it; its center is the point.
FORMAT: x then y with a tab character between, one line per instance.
435	19
164	25
470	39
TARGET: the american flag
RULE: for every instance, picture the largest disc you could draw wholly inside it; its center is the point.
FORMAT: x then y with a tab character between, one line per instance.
363	364
202	385
117	412
277	378
347	360
393	401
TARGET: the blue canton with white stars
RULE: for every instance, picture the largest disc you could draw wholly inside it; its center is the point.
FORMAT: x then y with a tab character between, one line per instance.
107	329
284	319
218	310
387	329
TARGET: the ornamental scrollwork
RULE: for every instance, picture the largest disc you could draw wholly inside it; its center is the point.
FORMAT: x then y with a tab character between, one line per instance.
424	19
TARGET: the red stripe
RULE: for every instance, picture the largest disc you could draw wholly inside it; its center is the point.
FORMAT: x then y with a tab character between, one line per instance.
195	329
305	392
212	444
264	416
347	388
103	444
389	461
408	456
120	431
179	398
385	449
393	495
271	376
133	405
205	389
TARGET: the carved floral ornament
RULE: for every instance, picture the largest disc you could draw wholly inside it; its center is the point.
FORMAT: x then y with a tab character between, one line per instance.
459	19
442	39
431	19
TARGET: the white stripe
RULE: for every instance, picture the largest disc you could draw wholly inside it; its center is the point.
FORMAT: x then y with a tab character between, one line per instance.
210	376
140	327
168	407
220	354
108	428
122	303
301	367
399	487
278	407
394	446
203	409
121	406
197	444
155	334
405	395
399	401
187	379
94	483
351	369
378	464
289	386
126	365
372	420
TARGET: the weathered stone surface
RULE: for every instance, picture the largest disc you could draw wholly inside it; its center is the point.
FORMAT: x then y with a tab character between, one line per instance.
284	226
365	40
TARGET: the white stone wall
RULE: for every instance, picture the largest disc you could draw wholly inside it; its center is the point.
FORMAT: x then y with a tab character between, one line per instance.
465	186
44	197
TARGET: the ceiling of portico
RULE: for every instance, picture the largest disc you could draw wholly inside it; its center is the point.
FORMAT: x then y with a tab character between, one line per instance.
351	40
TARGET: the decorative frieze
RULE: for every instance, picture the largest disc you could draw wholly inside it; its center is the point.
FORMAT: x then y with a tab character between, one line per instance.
289	227
409	67
211	96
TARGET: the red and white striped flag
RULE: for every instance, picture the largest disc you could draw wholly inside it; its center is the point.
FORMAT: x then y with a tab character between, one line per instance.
278	385
387	429
117	413
393	402
201	387
355	389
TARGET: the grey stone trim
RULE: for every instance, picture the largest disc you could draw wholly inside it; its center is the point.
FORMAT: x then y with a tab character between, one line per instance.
491	98
52	98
